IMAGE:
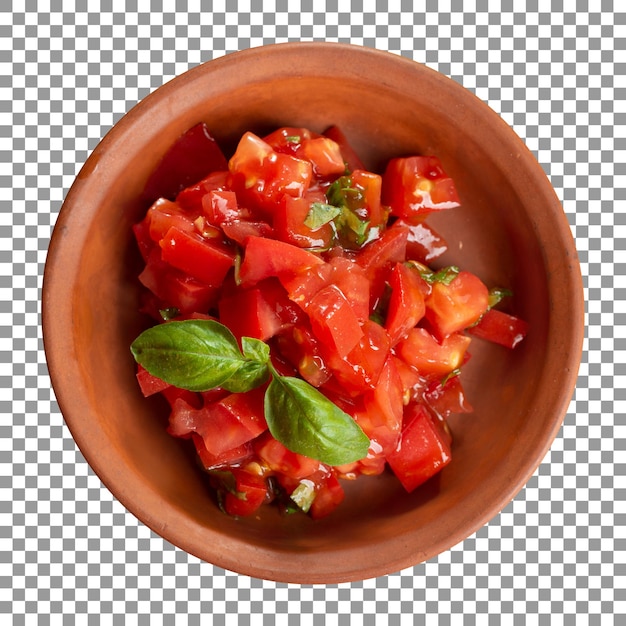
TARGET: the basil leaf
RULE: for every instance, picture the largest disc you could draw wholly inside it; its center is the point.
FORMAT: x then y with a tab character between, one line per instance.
254	371
497	294
307	422
192	354
320	214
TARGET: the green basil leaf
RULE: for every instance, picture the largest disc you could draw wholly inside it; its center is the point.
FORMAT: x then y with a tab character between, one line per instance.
320	214
497	294
255	350
192	354
306	422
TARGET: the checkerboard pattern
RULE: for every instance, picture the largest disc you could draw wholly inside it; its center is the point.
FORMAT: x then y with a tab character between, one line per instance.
70	553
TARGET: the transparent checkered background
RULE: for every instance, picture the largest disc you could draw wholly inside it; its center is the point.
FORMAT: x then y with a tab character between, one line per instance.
69	550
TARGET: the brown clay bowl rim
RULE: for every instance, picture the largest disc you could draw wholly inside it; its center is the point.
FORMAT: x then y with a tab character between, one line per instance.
551	228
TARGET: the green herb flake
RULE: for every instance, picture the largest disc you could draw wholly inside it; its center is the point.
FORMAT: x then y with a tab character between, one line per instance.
320	214
304	494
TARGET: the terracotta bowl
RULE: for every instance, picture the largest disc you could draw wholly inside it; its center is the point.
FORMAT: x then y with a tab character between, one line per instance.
511	230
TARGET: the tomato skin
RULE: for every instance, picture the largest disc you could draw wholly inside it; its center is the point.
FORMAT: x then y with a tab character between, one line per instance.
350	157
361	368
415	186
289	223
251	493
422	450
261	176
329	494
424	243
205	260
334	321
447	397
406	303
453	307
501	328
174	288
423	352
190	158
190	198
218	461
264	258
280	459
148	383
223	425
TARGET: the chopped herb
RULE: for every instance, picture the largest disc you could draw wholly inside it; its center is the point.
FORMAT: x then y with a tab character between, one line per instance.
320	214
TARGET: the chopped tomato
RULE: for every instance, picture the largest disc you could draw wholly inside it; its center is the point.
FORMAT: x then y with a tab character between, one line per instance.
334	321
329	494
415	186
206	260
406	302
422	351
280	459
190	158
422	451
455	306
264	258
424	243
295	243
148	383
247	494
290	223
501	328
223	425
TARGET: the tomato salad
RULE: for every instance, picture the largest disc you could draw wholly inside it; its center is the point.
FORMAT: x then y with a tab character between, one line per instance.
302	336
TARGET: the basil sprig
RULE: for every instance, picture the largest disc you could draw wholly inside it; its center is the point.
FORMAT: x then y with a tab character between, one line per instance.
200	355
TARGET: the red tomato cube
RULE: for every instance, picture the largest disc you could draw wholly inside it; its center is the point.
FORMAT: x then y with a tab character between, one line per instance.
422	451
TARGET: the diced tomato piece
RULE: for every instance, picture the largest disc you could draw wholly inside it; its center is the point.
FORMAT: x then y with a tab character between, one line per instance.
288	139
190	198
301	348
422	351
225	424
141	230
447	397
261	176
348	153
217	461
501	328
412	381
148	383
415	186
334	321
406	303
259	312
422	451
250	492
221	206
279	459
174	288
377	258
329	494
351	278
361	368
383	406
370	184
270	257
207	260
192	398
241	230
424	243
289	224
190	158
324	155
455	306
165	214
248	313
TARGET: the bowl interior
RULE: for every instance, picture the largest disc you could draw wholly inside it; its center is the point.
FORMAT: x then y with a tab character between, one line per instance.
510	230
